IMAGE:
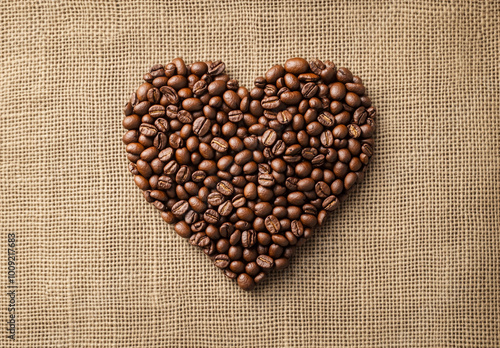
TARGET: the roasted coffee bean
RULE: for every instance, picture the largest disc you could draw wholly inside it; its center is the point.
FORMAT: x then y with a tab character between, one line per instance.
166	154
148	130
149	154
326	119
211	216
219	144
269	137
216	68
330	203
171	168
200	88
296	66
246	282
248	238
297	228
171	94
265	262
201	126
180	208
309	90
326	138
367	150
164	182
183	229
222	261
183	175
272	224
235	116
266	180
226	208
289	98
226	230
322	189
344	75
272	102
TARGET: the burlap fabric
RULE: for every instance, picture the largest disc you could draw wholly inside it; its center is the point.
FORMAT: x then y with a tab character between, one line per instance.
410	260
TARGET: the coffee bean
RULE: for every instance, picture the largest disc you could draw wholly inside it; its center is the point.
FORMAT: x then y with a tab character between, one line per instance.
330	203
201	126
225	188
272	224
148	130
272	102
289	98
219	144
326	138
171	94
246	282
266	180
183	175
182	229
297	228
180	208
221	261
264	261
326	119
149	154
226	208
296	66
309	90
269	137
235	116
211	216
367	150
322	189
216	68
248	238
306	184
164	182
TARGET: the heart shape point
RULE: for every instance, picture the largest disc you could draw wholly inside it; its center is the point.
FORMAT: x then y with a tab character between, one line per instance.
247	175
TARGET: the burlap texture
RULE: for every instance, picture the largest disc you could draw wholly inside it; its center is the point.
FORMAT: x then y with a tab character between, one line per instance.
410	260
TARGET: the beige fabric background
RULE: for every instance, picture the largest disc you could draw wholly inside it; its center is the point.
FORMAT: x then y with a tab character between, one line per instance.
412	259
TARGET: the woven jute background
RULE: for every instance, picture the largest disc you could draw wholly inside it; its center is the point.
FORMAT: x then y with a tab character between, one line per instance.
412	259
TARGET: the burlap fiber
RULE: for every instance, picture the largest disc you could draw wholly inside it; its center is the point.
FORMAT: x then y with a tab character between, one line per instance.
412	258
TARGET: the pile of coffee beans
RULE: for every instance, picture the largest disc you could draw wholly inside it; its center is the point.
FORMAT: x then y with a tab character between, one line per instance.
247	175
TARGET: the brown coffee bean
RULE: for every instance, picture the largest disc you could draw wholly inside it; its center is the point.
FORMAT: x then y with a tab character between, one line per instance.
246	282
216	68
221	261
269	137
330	203
289	98
367	150
180	208
182	229
344	75
265	262
308	77
148	130
211	216
297	228
149	154
226	208
272	224
296	66
219	144
226	188
248	238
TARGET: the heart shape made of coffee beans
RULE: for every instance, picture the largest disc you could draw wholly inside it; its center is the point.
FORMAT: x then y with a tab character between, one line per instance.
248	175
